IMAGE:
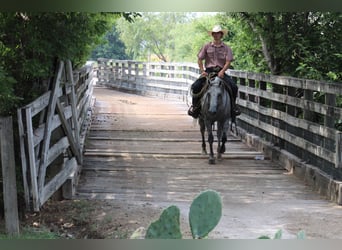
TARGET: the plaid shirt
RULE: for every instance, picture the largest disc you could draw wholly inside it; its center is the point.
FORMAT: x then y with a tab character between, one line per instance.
215	55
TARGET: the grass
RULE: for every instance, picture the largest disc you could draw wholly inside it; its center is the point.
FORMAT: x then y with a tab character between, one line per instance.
31	233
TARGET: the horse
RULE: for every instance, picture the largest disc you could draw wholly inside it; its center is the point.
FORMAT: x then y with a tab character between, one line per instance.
216	107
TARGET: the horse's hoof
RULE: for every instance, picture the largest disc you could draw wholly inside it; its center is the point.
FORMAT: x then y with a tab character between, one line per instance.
211	161
223	149
204	152
219	157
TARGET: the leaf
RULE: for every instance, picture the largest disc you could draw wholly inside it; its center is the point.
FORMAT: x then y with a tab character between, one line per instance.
278	235
205	213
264	237
301	235
167	226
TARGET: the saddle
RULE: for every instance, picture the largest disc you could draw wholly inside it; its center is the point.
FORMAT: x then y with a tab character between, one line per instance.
227	87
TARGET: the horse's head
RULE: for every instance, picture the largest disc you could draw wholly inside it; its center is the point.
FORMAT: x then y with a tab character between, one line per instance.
214	94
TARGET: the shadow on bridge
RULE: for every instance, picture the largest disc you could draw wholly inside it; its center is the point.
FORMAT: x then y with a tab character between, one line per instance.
147	150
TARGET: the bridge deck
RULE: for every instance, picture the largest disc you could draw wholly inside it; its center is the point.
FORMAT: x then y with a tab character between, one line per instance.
142	149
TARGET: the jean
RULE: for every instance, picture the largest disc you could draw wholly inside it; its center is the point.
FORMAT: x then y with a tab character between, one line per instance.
200	82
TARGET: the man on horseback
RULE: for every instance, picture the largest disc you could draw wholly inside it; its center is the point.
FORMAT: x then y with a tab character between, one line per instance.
217	56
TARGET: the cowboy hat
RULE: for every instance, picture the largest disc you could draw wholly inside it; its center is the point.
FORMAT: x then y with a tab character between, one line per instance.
217	28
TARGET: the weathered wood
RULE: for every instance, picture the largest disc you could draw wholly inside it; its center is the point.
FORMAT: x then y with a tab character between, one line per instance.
72	139
32	160
155	160
75	128
23	155
62	112
290	110
56	122
300	142
300	123
307	104
9	176
320	86
58	180
47	131
338	161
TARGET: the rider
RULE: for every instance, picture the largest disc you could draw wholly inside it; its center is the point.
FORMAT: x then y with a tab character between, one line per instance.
217	56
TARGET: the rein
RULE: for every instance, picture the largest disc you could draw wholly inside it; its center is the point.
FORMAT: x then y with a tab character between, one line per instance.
205	87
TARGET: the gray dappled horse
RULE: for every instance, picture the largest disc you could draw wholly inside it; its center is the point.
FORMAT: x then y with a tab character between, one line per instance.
215	107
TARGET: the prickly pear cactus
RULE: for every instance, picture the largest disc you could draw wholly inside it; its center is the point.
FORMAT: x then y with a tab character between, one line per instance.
167	226
205	213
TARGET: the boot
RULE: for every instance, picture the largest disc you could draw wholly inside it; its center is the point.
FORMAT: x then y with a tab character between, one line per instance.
235	109
195	108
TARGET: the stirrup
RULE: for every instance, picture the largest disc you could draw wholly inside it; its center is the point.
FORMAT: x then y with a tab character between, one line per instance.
237	111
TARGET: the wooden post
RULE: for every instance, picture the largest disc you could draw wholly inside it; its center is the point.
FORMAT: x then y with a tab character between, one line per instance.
338	158
308	113
8	173
329	119
136	70
251	84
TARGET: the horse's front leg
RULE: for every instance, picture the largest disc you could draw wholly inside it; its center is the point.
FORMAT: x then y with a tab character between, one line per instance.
202	129
211	140
219	141
223	144
222	148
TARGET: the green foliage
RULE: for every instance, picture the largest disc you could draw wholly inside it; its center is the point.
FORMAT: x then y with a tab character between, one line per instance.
7	96
31	233
300	44
167	226
279	234
167	36
32	43
111	47
205	213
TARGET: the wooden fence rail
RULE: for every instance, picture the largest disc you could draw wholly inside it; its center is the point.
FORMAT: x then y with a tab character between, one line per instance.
51	132
295	115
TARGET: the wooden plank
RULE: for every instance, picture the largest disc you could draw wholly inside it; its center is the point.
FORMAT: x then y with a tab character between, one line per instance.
320	86
298	102
57	149
23	156
72	138
300	142
296	122
47	130
9	176
32	161
41	102
57	181
56	122
338	159
75	127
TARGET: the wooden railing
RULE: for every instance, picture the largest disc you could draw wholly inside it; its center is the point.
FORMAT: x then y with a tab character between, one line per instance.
52	132
282	111
169	80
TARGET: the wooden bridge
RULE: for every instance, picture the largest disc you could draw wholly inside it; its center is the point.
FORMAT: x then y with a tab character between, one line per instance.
146	151
141	145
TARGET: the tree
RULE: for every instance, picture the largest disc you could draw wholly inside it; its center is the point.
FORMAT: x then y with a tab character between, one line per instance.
111	47
301	44
150	36
32	43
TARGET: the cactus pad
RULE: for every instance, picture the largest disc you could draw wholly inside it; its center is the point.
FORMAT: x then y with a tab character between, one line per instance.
205	213
167	226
